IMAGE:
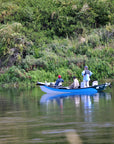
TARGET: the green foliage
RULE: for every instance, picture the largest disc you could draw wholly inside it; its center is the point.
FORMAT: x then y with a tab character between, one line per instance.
61	18
104	11
101	69
44	38
14	74
11	37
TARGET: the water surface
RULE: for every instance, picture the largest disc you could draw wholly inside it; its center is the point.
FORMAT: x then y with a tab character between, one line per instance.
27	119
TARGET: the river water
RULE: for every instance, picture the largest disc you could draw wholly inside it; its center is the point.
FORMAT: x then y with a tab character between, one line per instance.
28	118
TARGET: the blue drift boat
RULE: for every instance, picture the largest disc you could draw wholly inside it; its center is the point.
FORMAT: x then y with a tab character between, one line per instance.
61	89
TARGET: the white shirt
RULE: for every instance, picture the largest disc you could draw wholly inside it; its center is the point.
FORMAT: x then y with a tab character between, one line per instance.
76	83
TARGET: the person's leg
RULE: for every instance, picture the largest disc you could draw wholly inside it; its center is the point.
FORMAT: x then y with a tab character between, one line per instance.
87	83
84	83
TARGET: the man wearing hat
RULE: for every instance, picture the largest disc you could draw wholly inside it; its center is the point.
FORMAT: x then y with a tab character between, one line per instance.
59	81
86	76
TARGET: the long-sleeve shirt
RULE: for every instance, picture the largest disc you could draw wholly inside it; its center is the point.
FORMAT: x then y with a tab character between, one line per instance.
76	83
86	76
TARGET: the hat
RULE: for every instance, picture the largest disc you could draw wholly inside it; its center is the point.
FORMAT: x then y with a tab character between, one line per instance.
59	76
86	67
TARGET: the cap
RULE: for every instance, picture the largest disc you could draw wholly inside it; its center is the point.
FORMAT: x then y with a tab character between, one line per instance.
59	76
86	67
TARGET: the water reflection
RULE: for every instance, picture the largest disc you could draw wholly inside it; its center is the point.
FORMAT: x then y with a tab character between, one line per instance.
85	104
87	100
55	118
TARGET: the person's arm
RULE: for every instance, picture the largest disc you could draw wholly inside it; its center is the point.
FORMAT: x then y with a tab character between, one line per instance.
83	73
90	73
56	83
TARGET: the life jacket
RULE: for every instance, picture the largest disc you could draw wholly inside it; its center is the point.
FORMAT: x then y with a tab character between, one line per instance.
87	72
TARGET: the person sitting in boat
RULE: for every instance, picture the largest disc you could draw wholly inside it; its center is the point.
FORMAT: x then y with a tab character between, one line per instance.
86	76
59	81
75	84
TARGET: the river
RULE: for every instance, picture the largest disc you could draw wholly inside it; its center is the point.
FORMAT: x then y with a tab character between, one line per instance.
28	118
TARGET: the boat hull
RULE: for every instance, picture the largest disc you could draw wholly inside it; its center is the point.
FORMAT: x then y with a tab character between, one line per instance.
93	89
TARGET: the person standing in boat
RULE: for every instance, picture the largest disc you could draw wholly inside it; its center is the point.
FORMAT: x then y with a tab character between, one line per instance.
59	81
75	84
86	76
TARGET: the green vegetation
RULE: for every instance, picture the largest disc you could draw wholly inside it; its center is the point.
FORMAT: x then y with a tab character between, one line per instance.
40	39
